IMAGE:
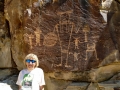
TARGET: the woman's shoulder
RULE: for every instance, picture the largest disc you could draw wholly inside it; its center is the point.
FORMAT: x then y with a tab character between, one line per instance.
38	69
23	71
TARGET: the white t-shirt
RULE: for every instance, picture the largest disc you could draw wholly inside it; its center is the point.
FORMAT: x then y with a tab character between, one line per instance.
31	80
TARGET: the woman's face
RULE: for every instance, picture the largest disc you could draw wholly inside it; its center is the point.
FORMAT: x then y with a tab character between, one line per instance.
30	63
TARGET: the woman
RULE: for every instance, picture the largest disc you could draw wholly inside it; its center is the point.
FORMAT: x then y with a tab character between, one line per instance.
31	78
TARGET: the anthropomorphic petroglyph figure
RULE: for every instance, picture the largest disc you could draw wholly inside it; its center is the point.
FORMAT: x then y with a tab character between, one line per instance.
64	22
86	29
38	33
25	37
91	48
76	43
64	28
30	40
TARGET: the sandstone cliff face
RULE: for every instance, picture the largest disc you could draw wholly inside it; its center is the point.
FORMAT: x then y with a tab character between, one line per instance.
5	42
61	36
70	37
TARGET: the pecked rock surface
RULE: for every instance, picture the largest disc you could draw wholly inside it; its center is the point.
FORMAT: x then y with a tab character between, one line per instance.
61	36
70	37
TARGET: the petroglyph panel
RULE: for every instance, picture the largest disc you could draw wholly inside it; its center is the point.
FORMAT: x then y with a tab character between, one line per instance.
66	31
69	42
64	38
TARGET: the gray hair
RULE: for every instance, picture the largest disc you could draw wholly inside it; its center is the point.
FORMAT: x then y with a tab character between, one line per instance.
33	57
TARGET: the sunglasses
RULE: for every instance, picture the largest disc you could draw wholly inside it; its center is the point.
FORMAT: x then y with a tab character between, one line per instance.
28	61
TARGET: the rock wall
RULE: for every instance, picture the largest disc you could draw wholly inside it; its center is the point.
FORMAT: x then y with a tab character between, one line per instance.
5	41
70	38
61	36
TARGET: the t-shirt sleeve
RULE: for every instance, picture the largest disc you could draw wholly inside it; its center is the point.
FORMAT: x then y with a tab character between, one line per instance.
19	80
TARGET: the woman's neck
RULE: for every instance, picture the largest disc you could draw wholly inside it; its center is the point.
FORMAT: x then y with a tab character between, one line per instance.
30	69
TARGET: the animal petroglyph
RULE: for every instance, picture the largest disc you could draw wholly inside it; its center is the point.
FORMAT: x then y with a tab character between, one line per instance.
75	54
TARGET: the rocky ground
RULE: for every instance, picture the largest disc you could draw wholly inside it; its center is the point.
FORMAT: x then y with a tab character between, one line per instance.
9	83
